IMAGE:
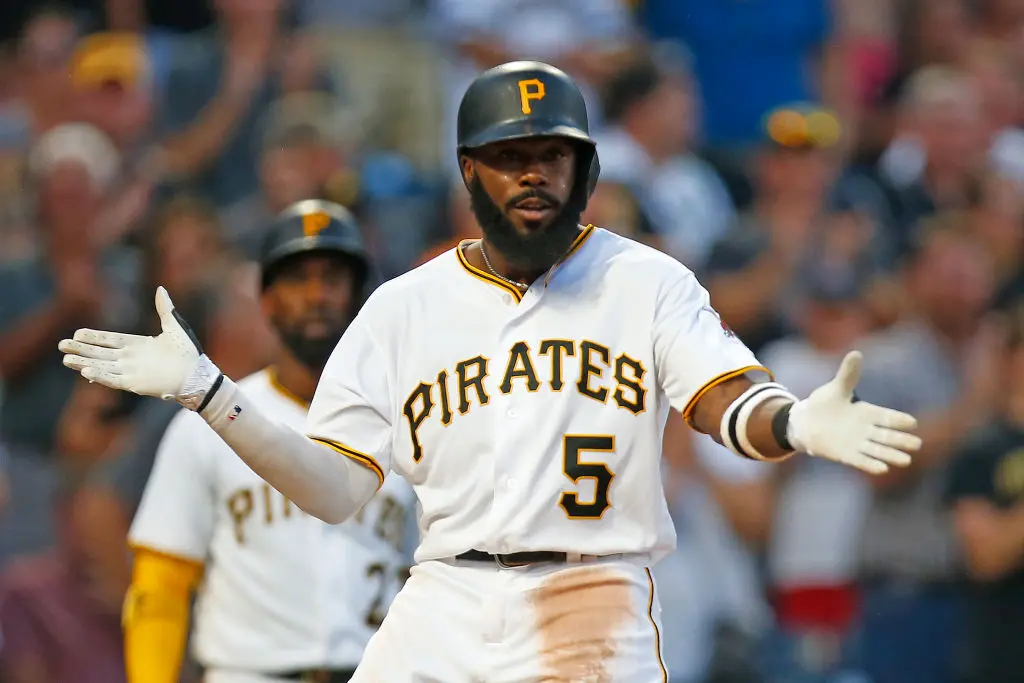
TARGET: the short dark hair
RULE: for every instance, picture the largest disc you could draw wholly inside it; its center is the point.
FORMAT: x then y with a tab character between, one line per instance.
628	86
642	74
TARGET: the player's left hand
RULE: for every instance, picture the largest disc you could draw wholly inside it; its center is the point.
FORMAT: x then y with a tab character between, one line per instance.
830	424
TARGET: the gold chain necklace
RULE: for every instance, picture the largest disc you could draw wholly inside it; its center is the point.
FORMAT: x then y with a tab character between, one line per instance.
517	285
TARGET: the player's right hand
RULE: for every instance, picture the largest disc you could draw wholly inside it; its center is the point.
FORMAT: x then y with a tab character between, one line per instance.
169	365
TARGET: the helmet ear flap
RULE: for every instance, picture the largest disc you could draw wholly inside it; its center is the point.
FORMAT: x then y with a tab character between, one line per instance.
462	156
594	174
588	167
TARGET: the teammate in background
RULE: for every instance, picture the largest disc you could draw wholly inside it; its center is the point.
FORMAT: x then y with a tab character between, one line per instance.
521	383
284	596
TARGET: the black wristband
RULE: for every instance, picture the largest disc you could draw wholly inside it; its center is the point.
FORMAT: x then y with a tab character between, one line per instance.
780	427
209	394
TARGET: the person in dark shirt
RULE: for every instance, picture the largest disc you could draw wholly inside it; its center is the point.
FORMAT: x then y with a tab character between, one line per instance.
986	494
754	271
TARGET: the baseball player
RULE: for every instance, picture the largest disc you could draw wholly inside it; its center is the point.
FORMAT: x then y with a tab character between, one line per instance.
284	596
521	383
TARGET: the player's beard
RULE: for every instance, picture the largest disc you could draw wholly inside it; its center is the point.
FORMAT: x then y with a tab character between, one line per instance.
312	352
540	249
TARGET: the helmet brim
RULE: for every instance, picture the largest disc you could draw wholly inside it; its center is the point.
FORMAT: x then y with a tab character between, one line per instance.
357	258
520	130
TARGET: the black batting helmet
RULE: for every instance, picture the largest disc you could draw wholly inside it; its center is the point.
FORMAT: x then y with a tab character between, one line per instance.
526	100
314	226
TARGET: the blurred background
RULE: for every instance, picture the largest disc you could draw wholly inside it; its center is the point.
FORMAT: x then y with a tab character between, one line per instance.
839	173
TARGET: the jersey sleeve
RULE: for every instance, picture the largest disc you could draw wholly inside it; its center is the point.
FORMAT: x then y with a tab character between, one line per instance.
694	351
351	409
178	509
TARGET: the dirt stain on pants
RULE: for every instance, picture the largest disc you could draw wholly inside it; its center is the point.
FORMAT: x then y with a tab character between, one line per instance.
578	613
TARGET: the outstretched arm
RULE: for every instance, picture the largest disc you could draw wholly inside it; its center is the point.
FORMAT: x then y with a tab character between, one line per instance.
317	477
766	422
711	408
703	368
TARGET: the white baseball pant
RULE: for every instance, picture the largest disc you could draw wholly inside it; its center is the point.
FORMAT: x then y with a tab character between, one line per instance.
473	622
224	676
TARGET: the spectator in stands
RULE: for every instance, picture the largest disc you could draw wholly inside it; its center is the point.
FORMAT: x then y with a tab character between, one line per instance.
650	109
36	96
753	272
42	93
220	83
308	147
749	59
111	74
14	14
933	162
942	364
866	33
113	86
929	32
986	493
819	507
999	77
382	54
60	620
987	86
73	282
997	222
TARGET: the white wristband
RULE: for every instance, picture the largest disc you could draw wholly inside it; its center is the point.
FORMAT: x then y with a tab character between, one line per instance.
734	420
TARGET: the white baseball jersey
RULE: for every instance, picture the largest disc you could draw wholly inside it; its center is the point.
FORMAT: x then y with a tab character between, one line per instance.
282	590
529	421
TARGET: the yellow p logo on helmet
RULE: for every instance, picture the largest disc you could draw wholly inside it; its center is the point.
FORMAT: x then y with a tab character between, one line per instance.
314	223
530	89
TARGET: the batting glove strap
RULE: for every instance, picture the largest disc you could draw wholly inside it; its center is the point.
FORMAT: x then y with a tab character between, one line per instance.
201	385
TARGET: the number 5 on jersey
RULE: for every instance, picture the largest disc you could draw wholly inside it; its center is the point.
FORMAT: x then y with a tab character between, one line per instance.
577	468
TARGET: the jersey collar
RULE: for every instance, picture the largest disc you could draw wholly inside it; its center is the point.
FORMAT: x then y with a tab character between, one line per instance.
276	385
517	295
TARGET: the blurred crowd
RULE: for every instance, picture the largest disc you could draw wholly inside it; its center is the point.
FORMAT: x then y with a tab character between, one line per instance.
839	173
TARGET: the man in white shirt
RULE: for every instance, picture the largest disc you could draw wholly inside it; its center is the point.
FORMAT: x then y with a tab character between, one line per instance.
521	384
650	109
282	595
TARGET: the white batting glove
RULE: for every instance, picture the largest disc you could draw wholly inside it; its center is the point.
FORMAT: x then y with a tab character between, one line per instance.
171	365
829	424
